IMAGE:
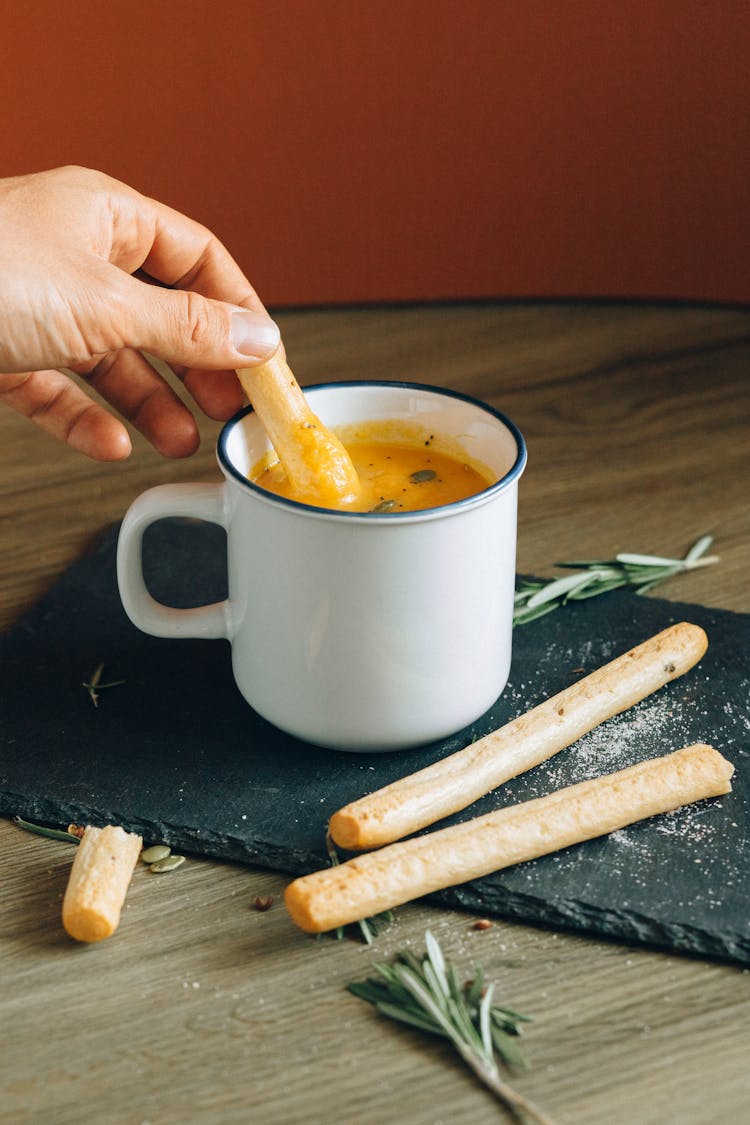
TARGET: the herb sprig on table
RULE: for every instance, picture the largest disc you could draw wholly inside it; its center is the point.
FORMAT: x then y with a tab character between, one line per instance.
535	597
94	684
71	837
426	994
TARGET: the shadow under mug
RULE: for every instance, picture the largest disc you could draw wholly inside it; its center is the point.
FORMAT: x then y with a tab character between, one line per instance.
357	631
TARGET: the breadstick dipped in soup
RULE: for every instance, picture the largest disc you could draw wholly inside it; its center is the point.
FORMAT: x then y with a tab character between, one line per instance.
400	468
314	461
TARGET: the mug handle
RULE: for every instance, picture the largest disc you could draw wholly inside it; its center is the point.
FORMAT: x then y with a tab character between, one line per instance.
199	501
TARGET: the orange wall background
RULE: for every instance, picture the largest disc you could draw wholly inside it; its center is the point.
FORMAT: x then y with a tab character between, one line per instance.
349	150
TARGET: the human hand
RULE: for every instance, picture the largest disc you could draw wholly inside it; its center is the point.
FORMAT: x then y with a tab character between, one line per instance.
91	272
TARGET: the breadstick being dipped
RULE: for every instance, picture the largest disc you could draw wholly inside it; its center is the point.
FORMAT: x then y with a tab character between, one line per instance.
379	880
453	783
98	882
314	460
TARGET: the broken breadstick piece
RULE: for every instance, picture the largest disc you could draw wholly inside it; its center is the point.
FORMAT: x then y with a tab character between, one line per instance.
379	880
98	882
314	460
455	782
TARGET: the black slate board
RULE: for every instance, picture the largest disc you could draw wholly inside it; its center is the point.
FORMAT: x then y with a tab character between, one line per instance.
177	755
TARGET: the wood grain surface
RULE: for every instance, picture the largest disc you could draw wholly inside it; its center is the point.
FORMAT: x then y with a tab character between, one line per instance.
202	1009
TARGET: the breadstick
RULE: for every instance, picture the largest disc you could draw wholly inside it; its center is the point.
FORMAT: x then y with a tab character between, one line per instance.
391	876
455	782
314	460
98	882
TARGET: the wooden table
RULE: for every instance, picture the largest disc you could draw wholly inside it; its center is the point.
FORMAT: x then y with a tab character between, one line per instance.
201	1009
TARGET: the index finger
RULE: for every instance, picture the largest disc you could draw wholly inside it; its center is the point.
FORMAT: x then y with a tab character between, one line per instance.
186	255
181	253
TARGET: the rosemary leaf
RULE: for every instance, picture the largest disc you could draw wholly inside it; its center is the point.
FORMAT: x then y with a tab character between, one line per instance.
573	564
436	987
559	587
370	990
474	987
594	591
646	560
523	616
435	955
367	929
453	983
507	1048
461	1016
427	997
405	1015
391	975
484	1021
425	994
409	959
698	549
591	577
51	833
510	1016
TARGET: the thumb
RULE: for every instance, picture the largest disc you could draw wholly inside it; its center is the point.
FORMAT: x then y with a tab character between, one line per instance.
186	328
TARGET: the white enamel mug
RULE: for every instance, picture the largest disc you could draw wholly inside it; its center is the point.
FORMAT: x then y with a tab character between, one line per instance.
358	631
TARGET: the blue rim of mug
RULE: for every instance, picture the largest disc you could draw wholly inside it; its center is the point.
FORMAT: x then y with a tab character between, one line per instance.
478	498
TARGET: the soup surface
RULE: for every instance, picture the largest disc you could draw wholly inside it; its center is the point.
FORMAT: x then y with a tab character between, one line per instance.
394	476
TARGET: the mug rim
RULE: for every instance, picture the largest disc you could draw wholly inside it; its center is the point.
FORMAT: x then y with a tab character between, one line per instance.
476	499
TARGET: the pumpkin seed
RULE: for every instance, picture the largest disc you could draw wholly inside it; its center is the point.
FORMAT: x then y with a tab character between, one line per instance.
422	475
384	506
167	864
155	853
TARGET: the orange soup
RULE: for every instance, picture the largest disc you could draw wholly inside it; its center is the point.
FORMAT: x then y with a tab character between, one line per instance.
394	475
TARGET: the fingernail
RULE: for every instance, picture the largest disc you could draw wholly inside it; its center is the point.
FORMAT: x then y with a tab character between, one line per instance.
254	334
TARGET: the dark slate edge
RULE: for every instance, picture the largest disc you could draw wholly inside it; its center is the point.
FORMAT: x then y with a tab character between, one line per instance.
623	926
202	842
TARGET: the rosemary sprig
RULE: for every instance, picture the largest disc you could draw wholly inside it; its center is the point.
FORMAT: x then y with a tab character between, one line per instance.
426	994
598	576
94	685
51	833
